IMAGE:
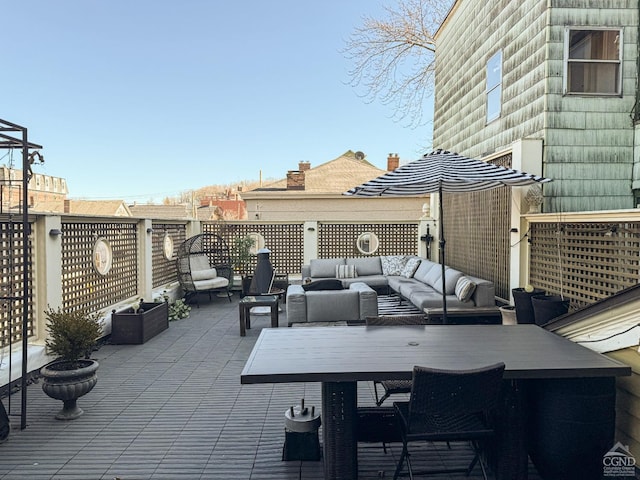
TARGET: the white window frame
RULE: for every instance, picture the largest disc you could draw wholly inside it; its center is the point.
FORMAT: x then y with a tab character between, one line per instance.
567	60
492	89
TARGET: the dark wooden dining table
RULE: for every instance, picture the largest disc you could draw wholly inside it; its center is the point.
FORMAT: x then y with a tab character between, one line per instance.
339	357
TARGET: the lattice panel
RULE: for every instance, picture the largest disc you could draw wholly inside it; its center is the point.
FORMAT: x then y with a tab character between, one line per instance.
585	262
339	239
11	285
163	269
82	286
477	232
283	239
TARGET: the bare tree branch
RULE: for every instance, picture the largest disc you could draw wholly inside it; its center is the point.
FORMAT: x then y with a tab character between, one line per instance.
393	59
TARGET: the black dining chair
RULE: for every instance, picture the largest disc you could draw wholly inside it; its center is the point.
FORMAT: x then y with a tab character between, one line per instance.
392	387
449	406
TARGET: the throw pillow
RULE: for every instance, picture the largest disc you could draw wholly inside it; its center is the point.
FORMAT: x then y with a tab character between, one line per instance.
464	289
410	267
325	284
346	271
393	264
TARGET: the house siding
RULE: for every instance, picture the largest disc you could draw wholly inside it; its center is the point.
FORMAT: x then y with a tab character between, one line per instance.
628	401
588	141
459	111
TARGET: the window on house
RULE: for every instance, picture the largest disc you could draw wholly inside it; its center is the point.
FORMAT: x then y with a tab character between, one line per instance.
593	62
494	86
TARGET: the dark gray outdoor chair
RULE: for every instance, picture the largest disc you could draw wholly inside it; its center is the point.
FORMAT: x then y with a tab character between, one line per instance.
448	406
391	387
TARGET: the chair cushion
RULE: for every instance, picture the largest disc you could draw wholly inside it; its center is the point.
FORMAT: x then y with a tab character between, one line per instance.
324	267
218	282
346	271
325	284
199	261
464	289
203	274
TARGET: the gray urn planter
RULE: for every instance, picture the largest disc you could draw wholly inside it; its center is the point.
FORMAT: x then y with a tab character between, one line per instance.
68	381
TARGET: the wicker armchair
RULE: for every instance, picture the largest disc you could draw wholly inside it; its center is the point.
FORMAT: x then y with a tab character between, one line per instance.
204	265
449	406
391	387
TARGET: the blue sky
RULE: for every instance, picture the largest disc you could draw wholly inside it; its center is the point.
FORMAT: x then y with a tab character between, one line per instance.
143	99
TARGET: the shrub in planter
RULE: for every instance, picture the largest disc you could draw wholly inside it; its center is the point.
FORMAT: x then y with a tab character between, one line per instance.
72	337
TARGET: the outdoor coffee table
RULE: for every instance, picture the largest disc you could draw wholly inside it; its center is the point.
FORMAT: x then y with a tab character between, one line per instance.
248	302
339	357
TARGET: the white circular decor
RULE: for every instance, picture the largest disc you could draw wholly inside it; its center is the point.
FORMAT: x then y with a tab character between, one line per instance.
167	246
102	256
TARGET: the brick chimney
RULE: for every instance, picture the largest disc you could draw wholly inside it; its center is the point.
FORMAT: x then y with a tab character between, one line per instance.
304	166
295	180
67	206
393	161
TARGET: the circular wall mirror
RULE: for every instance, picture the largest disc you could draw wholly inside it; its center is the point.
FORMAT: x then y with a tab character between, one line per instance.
167	246
367	243
102	256
258	242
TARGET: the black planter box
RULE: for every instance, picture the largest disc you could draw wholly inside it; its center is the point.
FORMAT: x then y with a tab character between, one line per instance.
128	327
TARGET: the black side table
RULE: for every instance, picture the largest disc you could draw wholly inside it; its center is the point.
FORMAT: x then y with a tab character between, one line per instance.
250	301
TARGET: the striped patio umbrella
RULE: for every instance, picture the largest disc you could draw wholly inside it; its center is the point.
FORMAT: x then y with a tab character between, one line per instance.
443	171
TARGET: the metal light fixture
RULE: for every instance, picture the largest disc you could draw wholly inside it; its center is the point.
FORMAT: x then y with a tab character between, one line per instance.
55	232
149	230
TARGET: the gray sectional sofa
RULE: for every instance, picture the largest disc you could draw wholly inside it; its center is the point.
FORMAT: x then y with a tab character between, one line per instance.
416	279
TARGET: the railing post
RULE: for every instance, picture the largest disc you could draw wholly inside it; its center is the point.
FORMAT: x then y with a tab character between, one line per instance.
310	241
145	236
47	269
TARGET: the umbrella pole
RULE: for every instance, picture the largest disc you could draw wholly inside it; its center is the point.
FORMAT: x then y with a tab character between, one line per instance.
442	262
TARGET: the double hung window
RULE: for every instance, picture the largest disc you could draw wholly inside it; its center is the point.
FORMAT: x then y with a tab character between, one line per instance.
593	61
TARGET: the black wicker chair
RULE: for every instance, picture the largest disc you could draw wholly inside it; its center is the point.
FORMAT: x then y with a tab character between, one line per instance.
391	387
204	266
448	406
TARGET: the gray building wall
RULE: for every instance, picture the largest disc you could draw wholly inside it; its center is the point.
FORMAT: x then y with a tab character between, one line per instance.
588	141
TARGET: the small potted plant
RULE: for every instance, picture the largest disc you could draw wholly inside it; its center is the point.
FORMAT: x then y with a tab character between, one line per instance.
241	258
72	337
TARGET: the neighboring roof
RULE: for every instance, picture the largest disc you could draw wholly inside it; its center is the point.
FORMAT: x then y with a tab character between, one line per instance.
169	212
98	208
335	176
609	324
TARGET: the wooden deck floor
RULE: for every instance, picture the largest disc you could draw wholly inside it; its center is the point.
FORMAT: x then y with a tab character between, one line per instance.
174	408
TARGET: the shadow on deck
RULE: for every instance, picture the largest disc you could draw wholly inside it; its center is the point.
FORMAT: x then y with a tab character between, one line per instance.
174	408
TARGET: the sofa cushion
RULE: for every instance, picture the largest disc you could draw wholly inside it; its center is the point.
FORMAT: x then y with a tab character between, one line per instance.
393	264
324	284
410	267
451	278
346	271
434	277
366	265
204	274
424	268
464	288
324	267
